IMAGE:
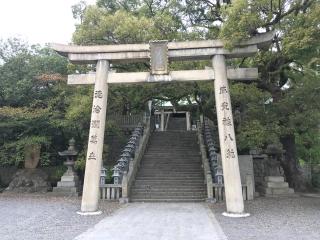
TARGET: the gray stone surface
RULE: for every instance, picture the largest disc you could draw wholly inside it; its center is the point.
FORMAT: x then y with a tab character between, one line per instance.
32	156
151	221
275	185
29	180
39	217
274	218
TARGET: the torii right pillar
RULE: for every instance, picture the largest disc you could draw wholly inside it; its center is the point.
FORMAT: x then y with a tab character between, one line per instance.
228	146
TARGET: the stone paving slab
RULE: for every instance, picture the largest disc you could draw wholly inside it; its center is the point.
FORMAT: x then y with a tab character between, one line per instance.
158	221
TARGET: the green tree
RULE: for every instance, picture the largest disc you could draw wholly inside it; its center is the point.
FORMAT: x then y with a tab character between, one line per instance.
269	111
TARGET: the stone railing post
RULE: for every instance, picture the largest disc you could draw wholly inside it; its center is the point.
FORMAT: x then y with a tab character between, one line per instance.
162	121
228	147
209	186
250	187
90	196
188	121
205	164
124	198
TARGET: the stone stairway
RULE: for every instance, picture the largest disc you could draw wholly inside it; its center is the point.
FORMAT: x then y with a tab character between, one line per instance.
276	186
170	170
177	124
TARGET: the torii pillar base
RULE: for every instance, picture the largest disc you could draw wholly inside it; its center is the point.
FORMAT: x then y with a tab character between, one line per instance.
236	215
89	213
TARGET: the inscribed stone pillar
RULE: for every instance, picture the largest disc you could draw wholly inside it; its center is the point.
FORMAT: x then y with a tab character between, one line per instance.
162	121
188	121
91	192
228	147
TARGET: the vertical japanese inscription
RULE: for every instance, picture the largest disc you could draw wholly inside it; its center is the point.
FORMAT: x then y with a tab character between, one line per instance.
98	94
228	147
96	108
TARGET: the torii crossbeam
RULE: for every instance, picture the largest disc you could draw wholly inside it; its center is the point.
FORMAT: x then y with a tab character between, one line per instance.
159	53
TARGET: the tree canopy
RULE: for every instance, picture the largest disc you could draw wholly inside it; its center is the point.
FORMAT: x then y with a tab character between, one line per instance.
281	108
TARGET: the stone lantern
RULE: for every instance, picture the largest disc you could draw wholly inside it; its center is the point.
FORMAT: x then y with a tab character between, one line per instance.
132	142
213	156
116	174
69	184
123	164
103	175
219	175
130	146
127	153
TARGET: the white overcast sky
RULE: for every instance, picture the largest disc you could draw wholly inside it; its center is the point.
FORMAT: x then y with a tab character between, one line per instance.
38	21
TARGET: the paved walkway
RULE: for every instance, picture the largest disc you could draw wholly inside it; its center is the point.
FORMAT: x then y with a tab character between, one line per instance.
158	221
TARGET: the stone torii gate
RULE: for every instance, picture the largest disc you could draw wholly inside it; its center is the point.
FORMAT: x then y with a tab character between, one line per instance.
159	53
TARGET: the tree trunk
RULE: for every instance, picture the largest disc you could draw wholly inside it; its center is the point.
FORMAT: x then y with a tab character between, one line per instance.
290	164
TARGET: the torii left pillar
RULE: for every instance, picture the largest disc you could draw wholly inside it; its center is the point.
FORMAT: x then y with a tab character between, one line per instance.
91	192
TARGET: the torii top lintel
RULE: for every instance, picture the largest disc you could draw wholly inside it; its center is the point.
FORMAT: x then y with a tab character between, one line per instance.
188	50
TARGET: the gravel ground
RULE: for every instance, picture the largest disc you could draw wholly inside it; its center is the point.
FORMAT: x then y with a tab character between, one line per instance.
43	217
295	218
35	217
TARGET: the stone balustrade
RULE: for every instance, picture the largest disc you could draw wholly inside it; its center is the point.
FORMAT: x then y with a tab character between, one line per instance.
128	154
123	171
212	166
110	191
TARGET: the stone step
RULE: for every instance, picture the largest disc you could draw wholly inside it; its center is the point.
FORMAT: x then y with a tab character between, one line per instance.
188	182
169	173
172	191
169	163
167	200
181	198
170	169
274	179
168	195
169	177
158	173
173	158
170	149
174	141
163	163
170	188
177	154
173	178
173	168
277	184
278	191
168	191
65	190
